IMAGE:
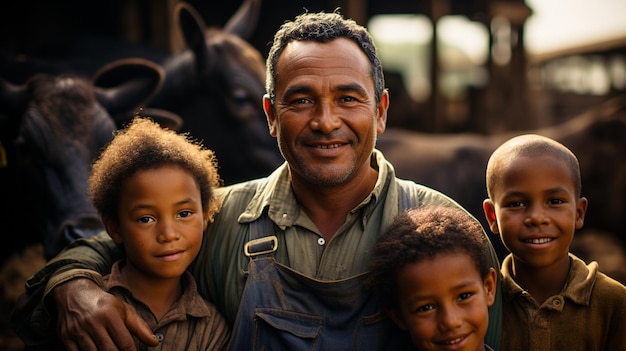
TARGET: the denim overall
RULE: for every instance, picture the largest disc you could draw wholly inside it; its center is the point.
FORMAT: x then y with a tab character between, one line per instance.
282	309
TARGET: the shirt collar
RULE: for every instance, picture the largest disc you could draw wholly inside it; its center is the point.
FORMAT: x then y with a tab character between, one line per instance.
578	286
277	194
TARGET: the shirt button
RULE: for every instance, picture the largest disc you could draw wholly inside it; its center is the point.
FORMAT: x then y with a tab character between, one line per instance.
159	336
321	241
556	302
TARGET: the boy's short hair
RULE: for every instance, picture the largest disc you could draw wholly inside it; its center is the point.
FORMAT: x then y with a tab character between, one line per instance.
531	145
421	234
144	144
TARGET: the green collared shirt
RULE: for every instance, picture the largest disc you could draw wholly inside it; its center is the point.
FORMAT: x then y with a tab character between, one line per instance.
220	268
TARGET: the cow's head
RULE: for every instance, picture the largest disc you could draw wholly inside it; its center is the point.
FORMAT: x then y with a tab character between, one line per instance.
61	123
216	85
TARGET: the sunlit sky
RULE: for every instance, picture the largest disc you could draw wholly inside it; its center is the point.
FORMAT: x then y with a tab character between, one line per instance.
563	24
554	26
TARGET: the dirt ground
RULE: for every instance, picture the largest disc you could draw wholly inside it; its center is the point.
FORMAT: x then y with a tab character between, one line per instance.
600	247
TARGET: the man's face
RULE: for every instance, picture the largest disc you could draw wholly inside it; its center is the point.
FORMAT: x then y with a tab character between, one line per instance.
325	117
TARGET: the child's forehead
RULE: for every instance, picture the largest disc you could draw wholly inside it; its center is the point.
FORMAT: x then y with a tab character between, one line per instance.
516	159
545	167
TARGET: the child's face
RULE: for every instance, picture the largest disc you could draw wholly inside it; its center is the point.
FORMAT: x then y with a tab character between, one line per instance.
535	209
161	222
443	303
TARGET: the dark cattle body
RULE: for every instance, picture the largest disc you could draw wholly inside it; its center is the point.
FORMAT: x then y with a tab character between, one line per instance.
455	164
53	126
215	85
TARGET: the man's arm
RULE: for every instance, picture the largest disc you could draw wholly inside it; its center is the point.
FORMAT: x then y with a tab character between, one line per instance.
66	290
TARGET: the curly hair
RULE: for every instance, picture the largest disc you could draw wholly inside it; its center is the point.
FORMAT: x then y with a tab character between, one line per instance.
143	144
420	234
323	27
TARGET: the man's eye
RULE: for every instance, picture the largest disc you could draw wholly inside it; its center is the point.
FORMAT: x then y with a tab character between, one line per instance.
555	201
348	99
300	101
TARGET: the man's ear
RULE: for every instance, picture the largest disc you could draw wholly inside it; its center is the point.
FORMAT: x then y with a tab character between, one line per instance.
270	114
381	112
490	214
113	229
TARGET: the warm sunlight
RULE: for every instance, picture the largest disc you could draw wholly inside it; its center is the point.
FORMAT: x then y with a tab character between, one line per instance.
564	24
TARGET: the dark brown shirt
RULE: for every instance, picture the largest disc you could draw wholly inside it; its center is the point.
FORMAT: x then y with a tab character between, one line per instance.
192	324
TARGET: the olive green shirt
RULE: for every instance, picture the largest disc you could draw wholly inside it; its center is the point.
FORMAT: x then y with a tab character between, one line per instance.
220	268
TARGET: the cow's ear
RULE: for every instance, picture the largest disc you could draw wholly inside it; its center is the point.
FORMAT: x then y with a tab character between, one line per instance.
490	214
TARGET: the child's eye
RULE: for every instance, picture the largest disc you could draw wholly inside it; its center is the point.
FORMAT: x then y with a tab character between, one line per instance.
185	213
515	204
555	201
425	308
145	219
464	296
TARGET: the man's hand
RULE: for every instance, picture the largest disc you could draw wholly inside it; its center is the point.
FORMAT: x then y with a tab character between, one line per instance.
91	319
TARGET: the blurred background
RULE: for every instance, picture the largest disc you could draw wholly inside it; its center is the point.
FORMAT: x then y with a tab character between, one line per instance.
482	65
452	66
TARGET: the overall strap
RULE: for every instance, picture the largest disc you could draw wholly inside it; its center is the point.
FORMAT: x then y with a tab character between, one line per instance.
261	239
405	200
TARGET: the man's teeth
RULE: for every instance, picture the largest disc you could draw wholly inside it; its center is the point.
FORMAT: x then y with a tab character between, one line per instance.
539	241
328	146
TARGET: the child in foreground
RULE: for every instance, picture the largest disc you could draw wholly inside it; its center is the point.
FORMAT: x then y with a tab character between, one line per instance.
431	272
153	189
552	299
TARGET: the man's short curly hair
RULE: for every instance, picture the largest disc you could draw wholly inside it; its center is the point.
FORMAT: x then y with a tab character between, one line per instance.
323	27
143	144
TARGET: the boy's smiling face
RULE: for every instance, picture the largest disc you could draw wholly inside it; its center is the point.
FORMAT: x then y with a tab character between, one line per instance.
443	302
535	209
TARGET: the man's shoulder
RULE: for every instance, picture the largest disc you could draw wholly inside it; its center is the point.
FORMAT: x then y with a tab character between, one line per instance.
243	188
414	194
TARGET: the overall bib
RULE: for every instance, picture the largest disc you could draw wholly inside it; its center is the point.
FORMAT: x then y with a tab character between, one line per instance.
282	309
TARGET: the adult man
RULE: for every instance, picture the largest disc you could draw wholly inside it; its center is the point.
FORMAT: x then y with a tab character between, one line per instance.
286	256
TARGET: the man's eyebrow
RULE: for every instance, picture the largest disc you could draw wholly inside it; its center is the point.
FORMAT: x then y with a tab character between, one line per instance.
304	89
297	89
352	87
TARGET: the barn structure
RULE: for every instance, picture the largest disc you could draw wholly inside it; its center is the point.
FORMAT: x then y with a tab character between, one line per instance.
508	90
